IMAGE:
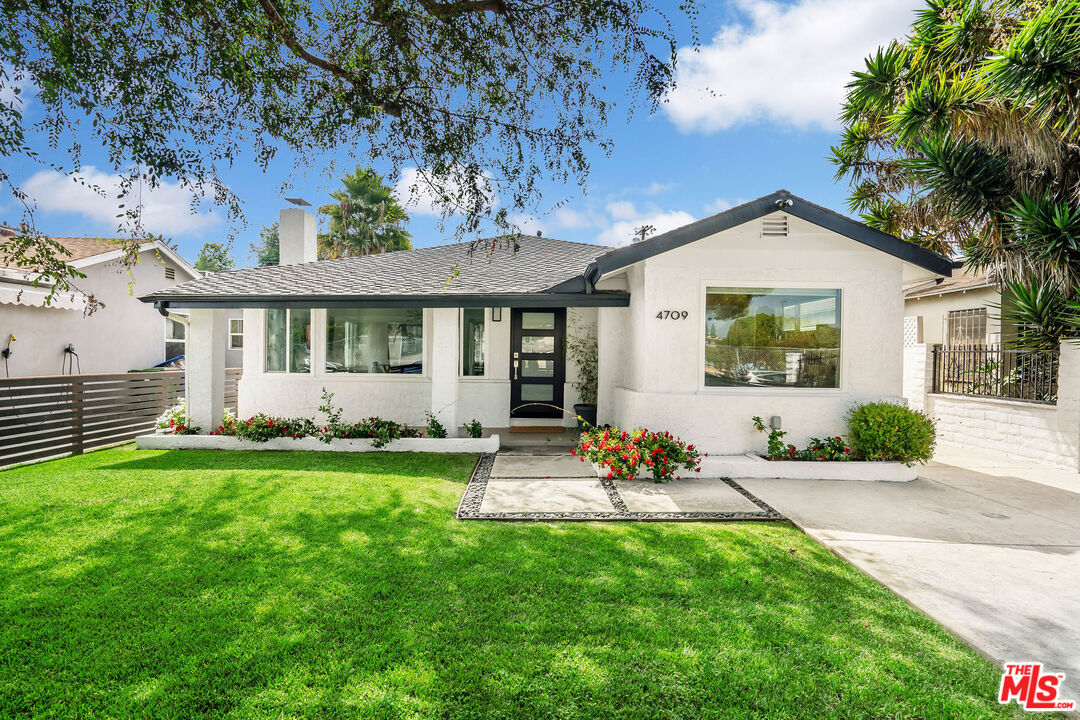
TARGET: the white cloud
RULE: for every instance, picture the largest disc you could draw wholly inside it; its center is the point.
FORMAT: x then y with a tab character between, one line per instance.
658	188
414	193
166	209
529	224
785	63
622	210
571	219
627	218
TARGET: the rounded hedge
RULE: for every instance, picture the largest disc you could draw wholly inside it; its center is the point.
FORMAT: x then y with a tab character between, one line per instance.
886	431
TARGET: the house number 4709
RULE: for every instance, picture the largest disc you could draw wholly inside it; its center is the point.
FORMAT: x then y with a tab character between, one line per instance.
671	315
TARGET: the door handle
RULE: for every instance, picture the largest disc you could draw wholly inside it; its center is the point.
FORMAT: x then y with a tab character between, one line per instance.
515	369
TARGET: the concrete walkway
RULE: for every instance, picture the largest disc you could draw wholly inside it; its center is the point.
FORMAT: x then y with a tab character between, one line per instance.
542	485
995	558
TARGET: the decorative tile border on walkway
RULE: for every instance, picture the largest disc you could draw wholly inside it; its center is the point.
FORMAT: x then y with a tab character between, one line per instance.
469	508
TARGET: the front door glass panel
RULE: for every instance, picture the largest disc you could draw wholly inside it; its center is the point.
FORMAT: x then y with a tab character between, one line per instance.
537	371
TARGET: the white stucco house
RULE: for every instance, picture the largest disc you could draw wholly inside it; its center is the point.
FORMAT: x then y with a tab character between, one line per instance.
122	335
960	310
775	307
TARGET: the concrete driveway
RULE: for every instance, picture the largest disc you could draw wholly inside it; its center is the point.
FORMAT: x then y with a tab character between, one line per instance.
994	558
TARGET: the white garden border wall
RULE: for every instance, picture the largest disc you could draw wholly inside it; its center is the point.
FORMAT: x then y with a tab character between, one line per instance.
1027	432
223	442
757	467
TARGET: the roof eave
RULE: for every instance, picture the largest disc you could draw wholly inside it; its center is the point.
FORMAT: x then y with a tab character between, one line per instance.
523	300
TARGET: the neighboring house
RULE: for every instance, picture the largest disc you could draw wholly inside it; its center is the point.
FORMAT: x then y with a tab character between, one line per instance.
775	307
959	310
123	335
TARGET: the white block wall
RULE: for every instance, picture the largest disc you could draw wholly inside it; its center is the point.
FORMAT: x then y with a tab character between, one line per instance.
1028	432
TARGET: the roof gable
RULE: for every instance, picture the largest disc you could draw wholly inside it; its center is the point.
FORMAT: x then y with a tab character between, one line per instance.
87	251
779	201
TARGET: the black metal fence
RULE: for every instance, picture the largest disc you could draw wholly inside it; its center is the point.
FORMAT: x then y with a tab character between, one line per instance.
991	371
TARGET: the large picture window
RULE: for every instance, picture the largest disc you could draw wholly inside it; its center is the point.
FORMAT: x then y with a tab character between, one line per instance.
375	340
772	337
288	340
472	342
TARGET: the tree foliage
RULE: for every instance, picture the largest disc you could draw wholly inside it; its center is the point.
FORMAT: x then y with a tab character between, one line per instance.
214	257
266	249
964	137
470	92
364	219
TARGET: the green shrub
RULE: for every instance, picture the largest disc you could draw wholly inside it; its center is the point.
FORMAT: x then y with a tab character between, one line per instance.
435	429
474	429
261	428
886	431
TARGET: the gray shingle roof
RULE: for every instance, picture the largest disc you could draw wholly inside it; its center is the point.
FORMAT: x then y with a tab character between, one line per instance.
537	265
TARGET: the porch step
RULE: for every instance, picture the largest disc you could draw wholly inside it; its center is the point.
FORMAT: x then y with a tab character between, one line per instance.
537	429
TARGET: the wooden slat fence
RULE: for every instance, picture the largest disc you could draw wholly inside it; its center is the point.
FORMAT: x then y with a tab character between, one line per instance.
69	414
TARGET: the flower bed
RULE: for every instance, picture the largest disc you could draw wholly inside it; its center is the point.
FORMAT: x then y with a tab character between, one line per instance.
409	444
879	432
265	432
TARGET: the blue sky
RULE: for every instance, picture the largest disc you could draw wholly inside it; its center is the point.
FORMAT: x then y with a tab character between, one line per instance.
776	71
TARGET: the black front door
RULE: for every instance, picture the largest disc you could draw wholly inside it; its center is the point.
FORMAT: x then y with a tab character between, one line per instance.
537	366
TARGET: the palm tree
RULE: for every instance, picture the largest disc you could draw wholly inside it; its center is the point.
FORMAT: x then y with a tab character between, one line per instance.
962	137
365	219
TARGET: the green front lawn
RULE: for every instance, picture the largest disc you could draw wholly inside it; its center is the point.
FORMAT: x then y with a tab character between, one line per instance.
320	585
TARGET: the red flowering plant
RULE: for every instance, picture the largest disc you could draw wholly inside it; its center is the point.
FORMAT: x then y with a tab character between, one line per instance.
664	455
381	432
826	449
260	428
623	453
821	450
176	420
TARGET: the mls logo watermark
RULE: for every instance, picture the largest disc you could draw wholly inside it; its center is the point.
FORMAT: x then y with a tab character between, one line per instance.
1031	688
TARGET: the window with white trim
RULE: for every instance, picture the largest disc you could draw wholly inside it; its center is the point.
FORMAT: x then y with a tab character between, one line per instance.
288	340
175	338
772	337
375	340
472	342
236	333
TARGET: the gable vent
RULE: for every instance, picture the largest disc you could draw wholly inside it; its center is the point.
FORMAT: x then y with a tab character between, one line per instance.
774	226
170	273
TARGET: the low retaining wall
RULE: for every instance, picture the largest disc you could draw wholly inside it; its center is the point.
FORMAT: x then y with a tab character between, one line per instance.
1022	431
755	466
222	442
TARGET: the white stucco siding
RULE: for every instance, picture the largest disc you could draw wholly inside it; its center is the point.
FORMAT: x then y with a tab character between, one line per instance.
614	359
402	398
934	308
664	386
124	335
578	321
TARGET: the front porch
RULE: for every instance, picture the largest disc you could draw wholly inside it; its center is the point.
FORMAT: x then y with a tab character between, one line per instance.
505	367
